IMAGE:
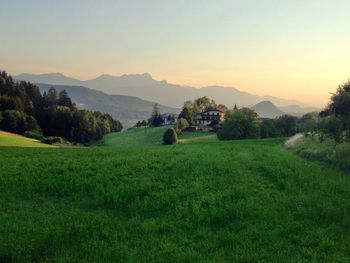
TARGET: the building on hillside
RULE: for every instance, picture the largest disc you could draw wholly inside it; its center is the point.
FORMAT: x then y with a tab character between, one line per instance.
169	118
210	116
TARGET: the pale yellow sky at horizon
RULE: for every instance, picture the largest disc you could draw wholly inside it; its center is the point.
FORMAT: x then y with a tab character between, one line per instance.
296	50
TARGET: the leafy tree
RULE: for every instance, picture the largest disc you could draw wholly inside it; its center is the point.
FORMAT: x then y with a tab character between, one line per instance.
268	129
340	101
240	124
85	126
188	115
333	128
286	125
18	122
308	123
170	136
339	107
180	125
203	103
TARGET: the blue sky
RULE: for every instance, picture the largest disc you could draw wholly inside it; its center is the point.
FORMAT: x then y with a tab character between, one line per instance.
291	49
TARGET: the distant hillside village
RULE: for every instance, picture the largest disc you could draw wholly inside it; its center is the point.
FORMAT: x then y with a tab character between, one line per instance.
202	114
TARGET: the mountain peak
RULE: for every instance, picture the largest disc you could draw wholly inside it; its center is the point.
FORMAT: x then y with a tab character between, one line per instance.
267	109
265	103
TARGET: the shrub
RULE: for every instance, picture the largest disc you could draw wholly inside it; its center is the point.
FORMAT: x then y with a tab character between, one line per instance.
170	136
52	140
34	135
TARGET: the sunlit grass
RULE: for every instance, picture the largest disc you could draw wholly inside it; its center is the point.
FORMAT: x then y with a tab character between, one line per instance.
14	140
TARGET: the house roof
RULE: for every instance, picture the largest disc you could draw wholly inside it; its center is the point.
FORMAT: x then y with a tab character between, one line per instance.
216	109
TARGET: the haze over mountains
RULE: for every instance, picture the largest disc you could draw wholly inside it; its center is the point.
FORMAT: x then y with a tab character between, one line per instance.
145	87
130	98
127	109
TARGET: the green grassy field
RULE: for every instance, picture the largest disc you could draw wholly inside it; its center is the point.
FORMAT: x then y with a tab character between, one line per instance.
134	137
11	139
141	137
198	201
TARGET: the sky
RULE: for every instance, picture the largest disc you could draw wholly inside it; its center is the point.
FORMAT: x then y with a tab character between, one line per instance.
295	49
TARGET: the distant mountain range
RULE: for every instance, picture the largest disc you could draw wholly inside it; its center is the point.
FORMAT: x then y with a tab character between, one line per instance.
127	109
137	95
145	87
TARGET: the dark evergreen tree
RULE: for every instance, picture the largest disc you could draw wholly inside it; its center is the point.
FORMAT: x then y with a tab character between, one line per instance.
64	99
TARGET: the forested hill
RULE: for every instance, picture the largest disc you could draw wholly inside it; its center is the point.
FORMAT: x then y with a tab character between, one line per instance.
24	109
127	109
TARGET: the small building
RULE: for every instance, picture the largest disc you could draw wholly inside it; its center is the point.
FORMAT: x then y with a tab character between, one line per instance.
209	116
169	118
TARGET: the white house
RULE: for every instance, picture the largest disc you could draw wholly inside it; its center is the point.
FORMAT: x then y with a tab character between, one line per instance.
210	116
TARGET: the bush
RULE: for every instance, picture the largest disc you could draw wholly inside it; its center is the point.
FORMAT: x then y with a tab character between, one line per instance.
52	140
34	135
239	124
170	136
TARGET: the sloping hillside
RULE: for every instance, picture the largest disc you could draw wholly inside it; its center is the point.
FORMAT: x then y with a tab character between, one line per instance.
127	109
10	139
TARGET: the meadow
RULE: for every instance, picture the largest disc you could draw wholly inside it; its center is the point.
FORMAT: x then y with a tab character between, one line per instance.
14	140
201	200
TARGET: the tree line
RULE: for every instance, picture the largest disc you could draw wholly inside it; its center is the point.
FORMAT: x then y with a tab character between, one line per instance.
244	124
333	122
24	110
